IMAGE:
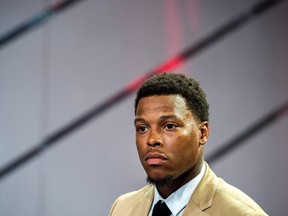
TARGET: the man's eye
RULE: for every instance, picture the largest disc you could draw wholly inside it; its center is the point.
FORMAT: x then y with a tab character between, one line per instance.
141	129
170	126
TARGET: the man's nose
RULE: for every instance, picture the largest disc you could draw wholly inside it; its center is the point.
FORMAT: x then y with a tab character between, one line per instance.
155	139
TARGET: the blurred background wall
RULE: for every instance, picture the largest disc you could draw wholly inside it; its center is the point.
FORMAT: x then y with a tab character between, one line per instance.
63	68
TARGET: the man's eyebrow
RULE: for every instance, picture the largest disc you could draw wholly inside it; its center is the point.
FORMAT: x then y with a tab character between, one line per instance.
161	117
168	116
139	120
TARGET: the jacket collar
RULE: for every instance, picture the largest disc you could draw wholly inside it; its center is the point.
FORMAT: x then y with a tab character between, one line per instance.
202	197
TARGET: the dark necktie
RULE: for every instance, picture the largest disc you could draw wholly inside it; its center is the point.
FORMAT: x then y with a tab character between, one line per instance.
161	209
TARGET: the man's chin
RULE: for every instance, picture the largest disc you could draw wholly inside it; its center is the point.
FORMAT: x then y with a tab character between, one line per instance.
164	181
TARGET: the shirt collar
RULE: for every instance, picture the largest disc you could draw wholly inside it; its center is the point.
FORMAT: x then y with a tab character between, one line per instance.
177	201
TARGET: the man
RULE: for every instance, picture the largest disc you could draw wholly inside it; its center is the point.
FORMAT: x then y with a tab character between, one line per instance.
171	122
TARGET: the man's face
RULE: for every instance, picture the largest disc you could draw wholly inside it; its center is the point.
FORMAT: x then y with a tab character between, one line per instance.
169	139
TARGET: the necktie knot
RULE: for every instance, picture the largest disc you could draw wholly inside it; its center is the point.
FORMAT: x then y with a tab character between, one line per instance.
161	209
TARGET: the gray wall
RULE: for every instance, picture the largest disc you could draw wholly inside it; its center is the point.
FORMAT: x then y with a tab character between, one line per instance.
60	70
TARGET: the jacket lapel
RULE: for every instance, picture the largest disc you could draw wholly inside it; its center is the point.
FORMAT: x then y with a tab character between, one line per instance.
143	205
202	198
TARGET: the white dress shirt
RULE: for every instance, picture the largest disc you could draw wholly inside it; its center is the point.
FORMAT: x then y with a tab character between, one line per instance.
178	200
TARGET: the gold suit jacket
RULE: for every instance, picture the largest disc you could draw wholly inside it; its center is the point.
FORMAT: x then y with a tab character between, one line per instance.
212	196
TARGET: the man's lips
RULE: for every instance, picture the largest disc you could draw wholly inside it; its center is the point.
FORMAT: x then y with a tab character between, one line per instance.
155	158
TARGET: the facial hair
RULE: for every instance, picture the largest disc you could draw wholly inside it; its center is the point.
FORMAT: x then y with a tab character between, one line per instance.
167	180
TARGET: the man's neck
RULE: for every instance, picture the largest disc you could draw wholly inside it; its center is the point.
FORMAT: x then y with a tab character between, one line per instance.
166	190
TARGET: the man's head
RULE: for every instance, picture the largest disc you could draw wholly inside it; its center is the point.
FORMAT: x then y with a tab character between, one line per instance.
171	125
176	83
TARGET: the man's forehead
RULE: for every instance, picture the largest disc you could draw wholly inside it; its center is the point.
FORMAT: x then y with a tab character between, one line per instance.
162	102
163	107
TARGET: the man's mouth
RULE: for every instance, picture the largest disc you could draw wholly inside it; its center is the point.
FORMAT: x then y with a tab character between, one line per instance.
155	158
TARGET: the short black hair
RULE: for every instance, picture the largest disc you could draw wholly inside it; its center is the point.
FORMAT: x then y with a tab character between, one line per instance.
176	83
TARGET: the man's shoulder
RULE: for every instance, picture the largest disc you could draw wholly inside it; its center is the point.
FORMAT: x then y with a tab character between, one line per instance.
234	199
138	194
217	197
133	203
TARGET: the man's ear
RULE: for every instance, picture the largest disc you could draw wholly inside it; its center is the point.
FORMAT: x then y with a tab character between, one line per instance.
204	132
